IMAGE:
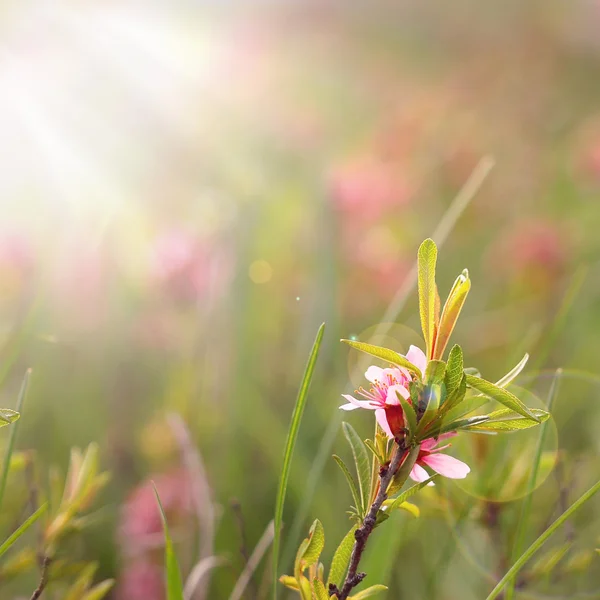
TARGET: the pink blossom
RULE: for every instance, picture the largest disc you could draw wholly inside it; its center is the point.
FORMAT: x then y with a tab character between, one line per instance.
382	397
445	465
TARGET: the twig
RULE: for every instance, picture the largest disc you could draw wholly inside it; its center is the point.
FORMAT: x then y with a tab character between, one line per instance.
236	508
353	577
44	579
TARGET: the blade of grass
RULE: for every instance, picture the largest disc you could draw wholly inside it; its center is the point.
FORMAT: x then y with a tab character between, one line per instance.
172	571
13	436
289	450
439	236
21	529
522	560
526	504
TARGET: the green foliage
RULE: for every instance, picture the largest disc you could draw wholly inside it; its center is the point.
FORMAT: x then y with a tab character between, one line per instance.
174	585
505	420
6	545
319	590
362	464
451	312
351	484
411	491
341	559
500	395
410	417
289	450
513	373
385	354
313	545
454	371
369	592
426	260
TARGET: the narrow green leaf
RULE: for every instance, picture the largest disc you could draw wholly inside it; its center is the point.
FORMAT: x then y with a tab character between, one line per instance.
385	354
319	589
454	370
427	257
362	462
455	409
411	491
472	371
289	451
541	540
172	571
500	395
316	543
413	509
456	397
370	591
507	420
13	537
351	483
8	416
404	471
513	373
99	591
451	311
458	424
370	444
410	417
13	436
341	559
433	394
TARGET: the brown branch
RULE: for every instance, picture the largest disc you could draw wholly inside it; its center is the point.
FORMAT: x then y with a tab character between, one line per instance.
44	579
361	535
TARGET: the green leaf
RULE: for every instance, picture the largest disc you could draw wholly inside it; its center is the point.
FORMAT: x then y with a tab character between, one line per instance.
370	444
454	370
541	540
507	420
427	257
8	416
457	425
413	509
289	451
451	311
433	394
472	371
319	589
316	543
370	591
289	582
404	471
513	373
13	537
351	483
99	591
500	395
411	491
12	437
341	559
172	571
362	462
410	417
385	354
435	371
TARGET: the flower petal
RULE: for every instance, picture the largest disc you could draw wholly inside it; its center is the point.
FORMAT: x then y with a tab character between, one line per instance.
446	465
382	420
419	474
349	407
417	357
373	374
392	397
429	444
360	403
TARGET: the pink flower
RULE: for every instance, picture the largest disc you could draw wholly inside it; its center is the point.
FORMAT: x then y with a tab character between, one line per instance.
382	397
445	465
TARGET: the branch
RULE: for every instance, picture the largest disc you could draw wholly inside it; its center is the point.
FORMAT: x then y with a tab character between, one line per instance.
44	579
401	458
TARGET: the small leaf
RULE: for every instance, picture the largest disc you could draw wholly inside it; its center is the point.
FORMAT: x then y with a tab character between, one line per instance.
8	416
316	543
507	420
457	396
413	509
384	354
370	591
373	448
410	417
472	371
411	491
500	395
450	313
404	471
341	559
454	370
362	462
319	589
99	591
289	582
351	483
172	571
433	394
427	257
458	424
513	373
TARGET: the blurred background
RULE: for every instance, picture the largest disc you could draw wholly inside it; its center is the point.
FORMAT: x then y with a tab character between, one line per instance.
189	188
